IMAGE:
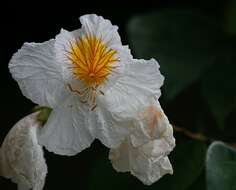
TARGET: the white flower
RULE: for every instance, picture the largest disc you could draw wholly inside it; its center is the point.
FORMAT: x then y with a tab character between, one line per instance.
148	161
21	157
90	80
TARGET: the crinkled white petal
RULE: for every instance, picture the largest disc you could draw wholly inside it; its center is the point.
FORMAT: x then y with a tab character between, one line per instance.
145	76
144	153
149	169
68	130
119	108
148	162
109	129
93	25
140	81
62	46
22	157
37	74
151	123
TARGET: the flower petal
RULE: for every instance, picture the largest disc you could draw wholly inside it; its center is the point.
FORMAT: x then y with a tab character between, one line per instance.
120	105
67	131
93	25
119	157
151	123
149	170
22	157
145	76
142	161
62	47
34	68
140	82
144	152
111	130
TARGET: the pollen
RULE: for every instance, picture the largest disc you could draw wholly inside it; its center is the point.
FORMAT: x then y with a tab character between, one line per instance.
93	61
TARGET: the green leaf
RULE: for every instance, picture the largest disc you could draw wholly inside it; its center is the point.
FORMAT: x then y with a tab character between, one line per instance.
188	160
230	18
200	183
183	41
219	90
221	167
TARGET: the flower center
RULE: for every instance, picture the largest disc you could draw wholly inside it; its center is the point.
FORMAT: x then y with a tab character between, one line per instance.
92	60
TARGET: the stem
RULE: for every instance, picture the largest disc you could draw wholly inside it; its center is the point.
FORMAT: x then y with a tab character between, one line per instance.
44	113
195	136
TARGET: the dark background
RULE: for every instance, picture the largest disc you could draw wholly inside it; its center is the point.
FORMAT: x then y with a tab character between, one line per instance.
38	22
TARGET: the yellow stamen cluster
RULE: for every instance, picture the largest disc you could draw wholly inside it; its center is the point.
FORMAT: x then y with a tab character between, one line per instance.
92	60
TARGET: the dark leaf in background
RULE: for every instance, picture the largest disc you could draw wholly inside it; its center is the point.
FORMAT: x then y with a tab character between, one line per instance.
221	167
219	90
184	42
200	183
230	24
218	84
191	48
188	161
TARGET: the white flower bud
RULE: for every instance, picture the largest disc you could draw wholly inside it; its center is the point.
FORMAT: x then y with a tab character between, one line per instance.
21	157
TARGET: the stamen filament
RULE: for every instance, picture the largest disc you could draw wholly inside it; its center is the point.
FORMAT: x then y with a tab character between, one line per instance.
92	63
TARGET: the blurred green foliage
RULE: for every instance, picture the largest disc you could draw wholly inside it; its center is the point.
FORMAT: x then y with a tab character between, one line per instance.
183	41
219	90
191	48
230	25
221	167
